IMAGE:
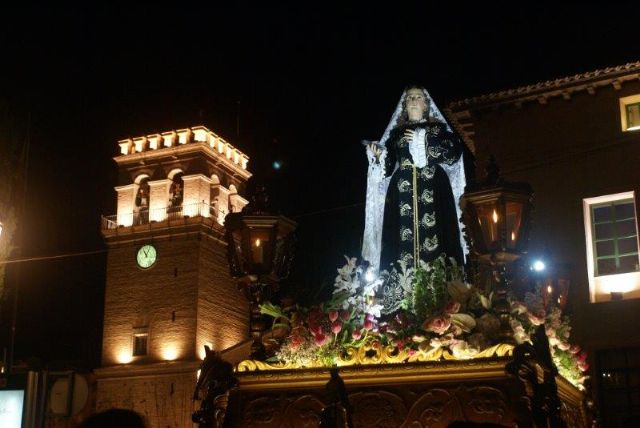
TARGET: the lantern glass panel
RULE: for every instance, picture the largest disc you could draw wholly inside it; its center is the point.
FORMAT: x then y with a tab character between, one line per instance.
489	221
514	223
259	245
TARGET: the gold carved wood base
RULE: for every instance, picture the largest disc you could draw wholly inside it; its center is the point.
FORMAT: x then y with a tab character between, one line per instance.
427	394
389	408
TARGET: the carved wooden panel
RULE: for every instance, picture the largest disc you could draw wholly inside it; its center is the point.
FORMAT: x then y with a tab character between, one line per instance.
377	409
388	408
435	408
303	413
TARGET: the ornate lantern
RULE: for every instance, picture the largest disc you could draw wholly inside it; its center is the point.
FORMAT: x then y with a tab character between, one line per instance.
260	253
497	217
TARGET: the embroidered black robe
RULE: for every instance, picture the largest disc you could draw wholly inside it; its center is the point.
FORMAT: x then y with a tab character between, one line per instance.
420	218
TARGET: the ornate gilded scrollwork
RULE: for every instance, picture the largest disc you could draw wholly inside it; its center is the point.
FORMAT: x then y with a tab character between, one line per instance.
255	365
370	353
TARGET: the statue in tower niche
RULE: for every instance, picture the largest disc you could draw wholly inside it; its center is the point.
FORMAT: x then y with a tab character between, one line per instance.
414	183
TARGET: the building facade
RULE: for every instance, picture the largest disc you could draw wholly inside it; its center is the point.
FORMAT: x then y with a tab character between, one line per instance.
168	289
576	140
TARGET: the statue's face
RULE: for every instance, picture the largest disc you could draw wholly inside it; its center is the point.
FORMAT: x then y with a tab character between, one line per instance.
415	104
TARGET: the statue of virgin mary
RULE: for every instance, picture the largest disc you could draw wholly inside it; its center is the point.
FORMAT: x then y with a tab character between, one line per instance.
414	183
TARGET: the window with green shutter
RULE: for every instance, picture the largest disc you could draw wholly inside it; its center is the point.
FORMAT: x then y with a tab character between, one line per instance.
615	237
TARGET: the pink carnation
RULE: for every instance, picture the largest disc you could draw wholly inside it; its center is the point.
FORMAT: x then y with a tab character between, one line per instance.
437	325
584	366
333	315
368	324
452	307
320	339
582	357
336	327
295	343
314	327
356	334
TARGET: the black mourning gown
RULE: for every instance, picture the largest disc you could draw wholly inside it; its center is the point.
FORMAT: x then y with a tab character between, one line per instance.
420	216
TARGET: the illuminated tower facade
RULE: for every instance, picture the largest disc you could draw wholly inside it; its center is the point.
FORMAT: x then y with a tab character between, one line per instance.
168	290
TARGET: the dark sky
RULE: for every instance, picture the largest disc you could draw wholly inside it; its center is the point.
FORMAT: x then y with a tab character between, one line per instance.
307	84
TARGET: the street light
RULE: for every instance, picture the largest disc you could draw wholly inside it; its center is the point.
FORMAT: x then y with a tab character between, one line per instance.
497	218
538	266
260	252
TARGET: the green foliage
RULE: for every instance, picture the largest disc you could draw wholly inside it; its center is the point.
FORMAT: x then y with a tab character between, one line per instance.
567	367
430	281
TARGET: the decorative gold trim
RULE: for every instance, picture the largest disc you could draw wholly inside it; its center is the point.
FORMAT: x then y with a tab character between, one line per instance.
377	374
255	365
368	354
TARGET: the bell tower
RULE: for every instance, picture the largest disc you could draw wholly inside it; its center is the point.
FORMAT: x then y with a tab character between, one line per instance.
168	290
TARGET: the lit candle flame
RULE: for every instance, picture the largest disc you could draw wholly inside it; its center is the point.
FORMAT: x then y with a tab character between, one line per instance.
258	251
549	289
495	216
513	236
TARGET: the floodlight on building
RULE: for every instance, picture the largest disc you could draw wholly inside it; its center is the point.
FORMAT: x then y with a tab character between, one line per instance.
170	353
124	356
538	266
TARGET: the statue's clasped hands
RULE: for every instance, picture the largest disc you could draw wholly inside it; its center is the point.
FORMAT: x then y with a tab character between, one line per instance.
409	135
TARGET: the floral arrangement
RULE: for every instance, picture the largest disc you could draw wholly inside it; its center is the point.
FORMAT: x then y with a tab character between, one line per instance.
439	311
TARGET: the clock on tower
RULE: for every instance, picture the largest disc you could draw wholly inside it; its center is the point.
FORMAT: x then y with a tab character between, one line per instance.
146	256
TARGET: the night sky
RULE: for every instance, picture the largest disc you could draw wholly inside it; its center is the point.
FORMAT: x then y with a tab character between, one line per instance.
305	85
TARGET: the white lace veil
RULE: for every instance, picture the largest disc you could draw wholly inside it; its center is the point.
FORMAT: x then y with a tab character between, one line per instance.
377	185
434	113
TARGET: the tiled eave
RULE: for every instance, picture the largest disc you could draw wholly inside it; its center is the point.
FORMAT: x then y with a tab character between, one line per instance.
459	112
562	87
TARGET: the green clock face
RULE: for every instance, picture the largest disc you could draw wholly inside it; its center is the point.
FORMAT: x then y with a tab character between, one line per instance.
146	256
